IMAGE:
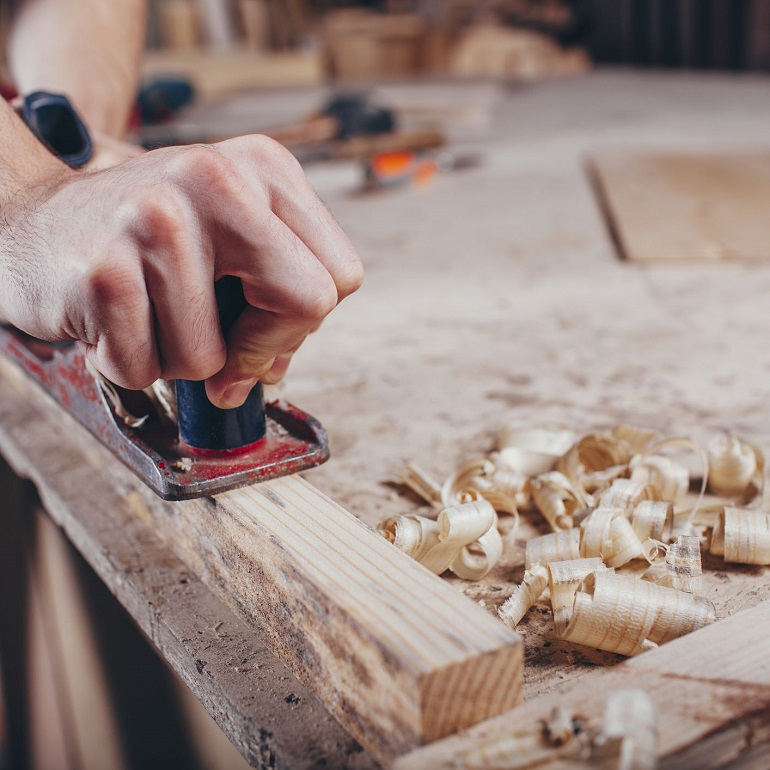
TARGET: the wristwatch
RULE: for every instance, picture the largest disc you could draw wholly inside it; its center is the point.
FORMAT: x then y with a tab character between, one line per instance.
56	123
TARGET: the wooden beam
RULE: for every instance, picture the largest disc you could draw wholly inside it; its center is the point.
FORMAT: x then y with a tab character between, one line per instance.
398	656
711	690
271	718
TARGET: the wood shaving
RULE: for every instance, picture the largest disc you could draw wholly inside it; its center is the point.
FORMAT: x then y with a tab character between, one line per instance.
559	727
736	468
564	578
162	394
110	392
524	596
421	483
595	461
630	731
607	533
639	439
464	539
555	546
533	451
683	564
615	500
742	536
626	494
624	615
555	498
624	737
501	487
661	476
653	520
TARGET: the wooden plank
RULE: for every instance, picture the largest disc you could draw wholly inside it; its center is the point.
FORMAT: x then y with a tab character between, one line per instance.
216	72
711	690
668	207
271	718
396	654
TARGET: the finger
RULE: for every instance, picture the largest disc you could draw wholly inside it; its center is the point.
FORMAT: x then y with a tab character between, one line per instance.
278	370
296	204
257	338
279	273
190	342
122	345
189	338
180	278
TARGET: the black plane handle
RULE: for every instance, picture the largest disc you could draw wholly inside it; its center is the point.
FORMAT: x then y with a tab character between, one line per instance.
203	425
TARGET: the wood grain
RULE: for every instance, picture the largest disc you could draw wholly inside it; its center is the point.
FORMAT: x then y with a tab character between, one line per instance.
669	207
396	654
271	718
711	690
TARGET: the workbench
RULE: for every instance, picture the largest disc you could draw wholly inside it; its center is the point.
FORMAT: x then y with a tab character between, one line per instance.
493	294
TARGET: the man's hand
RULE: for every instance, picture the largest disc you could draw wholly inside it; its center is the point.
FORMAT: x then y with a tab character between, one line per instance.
125	259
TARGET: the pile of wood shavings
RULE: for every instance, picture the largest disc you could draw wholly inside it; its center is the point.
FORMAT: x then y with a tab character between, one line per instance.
622	563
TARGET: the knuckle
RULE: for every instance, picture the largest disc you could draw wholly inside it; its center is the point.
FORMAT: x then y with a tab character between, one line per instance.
316	305
350	278
133	368
199	366
195	160
150	217
273	155
114	286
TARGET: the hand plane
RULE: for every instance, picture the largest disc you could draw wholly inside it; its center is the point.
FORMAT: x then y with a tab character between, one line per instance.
211	450
208	450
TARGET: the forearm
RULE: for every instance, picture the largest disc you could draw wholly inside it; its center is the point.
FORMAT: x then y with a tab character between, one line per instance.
24	161
89	50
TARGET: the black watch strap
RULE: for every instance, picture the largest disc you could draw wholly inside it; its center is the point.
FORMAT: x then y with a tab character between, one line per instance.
56	123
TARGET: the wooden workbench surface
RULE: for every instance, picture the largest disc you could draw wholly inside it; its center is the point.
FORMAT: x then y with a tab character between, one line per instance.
495	294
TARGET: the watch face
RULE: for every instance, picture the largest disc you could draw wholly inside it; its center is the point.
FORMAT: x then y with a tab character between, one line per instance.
53	119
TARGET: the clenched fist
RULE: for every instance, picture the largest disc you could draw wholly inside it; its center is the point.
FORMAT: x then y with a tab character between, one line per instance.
124	260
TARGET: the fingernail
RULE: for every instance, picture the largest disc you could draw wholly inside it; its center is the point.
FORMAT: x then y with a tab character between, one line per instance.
235	394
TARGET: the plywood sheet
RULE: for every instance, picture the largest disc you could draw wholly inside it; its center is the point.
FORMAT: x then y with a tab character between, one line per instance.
687	207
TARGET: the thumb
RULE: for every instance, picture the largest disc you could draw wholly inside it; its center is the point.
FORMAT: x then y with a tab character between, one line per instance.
256	339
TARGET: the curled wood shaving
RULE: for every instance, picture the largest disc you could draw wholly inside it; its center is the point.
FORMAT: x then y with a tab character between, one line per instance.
555	498
559	727
464	539
654	550
463	478
564	578
736	468
653	520
691	446
626	494
503	488
630	729
113	397
533	451
524	596
595	461
162	393
636	438
621	614
608	534
666	479
509	482
626	739
742	536
421	483
683	564
555	546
